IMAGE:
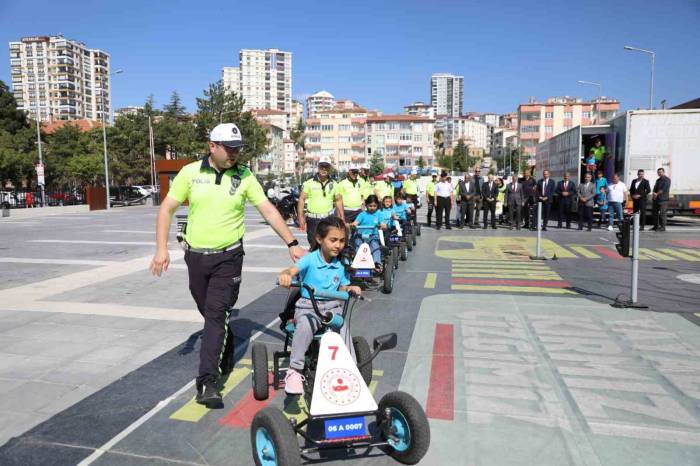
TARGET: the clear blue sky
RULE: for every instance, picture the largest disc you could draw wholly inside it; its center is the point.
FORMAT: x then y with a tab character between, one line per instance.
381	54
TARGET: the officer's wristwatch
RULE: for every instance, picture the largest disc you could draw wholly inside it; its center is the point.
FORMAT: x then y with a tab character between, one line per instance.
293	243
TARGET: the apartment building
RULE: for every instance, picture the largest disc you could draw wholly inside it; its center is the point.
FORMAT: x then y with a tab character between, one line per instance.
539	121
322	100
338	133
420	109
291	157
273	161
401	140
272	117
490	119
231	77
499	146
447	94
296	114
474	133
62	78
508	120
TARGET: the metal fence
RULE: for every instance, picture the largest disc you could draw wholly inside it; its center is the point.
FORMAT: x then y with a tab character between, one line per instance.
26	198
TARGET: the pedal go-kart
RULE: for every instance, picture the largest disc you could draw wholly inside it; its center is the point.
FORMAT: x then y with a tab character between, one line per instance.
336	389
363	264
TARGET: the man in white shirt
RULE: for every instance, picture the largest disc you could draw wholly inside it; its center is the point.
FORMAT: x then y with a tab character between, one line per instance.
444	197
617	195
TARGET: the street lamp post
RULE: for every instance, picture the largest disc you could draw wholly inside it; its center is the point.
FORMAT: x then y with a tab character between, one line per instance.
38	143
653	63
104	140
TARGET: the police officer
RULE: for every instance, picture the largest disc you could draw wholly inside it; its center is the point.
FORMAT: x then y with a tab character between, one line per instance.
318	195
366	182
410	187
430	196
385	188
350	192
217	187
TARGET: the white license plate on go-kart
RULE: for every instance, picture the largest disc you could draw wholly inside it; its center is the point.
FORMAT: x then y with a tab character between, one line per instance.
362	273
344	427
394	238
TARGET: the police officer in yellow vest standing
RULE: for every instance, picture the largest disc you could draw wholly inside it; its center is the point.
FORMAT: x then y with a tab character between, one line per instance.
410	187
217	188
318	195
350	192
384	188
366	182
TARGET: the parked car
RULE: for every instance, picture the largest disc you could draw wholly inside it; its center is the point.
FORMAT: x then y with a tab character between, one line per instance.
126	196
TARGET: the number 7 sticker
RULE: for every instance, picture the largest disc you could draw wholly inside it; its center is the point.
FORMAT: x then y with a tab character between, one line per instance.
335	350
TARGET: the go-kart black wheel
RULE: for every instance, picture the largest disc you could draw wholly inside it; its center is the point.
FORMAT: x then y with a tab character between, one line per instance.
388	274
408	426
418	228
363	353
273	439
409	241
413	236
403	255
261	387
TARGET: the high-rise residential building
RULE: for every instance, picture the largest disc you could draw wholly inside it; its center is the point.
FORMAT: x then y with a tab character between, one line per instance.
291	156
322	100
272	117
401	140
539	121
296	114
63	78
420	109
489	118
231	77
474	133
266	79
447	94
508	120
338	133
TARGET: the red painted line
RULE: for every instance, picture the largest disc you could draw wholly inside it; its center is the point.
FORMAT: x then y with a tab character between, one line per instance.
441	390
608	252
242	414
687	243
499	281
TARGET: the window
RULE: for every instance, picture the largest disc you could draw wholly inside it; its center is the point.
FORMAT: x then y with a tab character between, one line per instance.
393	126
531	116
343	138
392	137
405	136
326	127
418	137
530	129
344	127
548	129
327	140
568	115
549	115
586	115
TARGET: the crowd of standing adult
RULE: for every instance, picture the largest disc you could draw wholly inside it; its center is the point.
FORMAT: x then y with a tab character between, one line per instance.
514	203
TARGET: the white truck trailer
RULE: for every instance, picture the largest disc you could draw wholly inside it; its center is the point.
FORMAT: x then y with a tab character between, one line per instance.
637	139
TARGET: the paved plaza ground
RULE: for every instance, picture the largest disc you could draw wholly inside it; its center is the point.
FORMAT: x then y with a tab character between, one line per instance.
517	362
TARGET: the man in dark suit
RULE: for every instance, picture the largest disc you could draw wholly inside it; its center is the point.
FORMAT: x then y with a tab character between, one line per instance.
586	200
489	193
660	194
515	199
529	187
466	191
639	190
478	181
544	193
566	189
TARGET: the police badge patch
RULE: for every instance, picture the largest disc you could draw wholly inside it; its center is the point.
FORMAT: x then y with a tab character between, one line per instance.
235	183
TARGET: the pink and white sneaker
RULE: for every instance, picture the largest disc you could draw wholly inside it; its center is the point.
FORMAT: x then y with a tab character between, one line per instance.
293	382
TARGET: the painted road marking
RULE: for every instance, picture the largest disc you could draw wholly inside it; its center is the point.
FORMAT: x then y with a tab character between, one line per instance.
441	388
496	281
531	276
486	265
488	248
692	252
609	253
511	289
680	254
430	280
687	243
645	253
193	411
242	414
584	252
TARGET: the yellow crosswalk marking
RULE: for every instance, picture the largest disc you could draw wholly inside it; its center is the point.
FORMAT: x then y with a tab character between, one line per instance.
513	262
693	252
680	254
193	411
512	289
496	266
525	276
585	252
497	270
646	253
430	280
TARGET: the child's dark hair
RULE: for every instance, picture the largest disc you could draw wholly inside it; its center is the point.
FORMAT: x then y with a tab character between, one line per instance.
400	196
388	197
325	225
372	199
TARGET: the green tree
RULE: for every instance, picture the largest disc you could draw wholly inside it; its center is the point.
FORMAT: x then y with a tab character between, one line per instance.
376	164
219	105
174	107
421	163
17	142
298	135
459	157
